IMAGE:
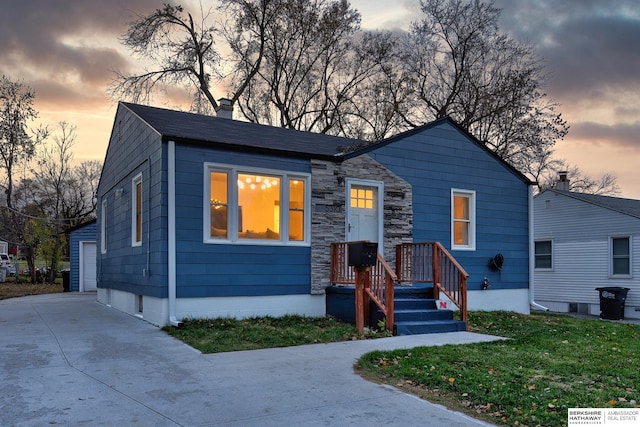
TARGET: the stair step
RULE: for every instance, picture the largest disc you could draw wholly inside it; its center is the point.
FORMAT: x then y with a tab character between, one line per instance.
414	303
429	327
422	314
413	292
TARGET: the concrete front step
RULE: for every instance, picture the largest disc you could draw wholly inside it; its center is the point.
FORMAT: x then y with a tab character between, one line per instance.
429	327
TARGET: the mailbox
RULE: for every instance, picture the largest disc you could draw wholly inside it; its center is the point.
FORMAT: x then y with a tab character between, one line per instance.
363	254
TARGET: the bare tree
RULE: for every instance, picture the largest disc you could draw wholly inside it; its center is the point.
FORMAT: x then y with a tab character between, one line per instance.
79	204
462	67
292	63
52	183
17	141
579	182
301	64
180	50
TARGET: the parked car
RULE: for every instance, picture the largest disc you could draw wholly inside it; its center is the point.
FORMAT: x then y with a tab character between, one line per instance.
5	261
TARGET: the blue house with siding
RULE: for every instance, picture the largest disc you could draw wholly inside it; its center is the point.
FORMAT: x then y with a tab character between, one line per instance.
209	217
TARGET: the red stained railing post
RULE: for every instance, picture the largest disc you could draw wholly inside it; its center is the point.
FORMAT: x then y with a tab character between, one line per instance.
359	296
389	295
435	270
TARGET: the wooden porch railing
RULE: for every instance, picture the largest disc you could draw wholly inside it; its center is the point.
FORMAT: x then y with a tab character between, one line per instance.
430	262
374	283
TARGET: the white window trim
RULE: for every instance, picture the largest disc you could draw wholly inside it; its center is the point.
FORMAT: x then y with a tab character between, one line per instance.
103	228
134	182
472	219
552	255
610	257
232	204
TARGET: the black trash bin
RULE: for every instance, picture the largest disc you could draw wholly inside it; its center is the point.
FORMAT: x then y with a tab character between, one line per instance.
65	280
612	302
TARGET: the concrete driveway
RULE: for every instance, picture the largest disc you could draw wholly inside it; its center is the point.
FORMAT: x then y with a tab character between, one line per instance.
67	360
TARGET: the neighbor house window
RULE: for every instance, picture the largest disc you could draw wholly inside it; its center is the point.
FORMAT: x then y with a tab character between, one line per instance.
257	206
136	215
543	255
620	249
103	228
463	218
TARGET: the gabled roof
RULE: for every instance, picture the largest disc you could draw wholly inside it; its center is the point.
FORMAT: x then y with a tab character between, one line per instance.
196	128
625	206
364	149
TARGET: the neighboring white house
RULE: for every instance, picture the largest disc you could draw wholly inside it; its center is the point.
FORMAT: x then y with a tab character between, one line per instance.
583	242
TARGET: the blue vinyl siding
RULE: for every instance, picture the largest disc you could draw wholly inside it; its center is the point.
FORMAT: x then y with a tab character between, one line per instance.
205	269
134	148
85	233
441	158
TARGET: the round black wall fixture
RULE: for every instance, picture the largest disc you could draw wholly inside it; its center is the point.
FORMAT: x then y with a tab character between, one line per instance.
496	262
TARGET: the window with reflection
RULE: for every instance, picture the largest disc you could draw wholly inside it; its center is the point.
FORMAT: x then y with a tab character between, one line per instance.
462	219
247	206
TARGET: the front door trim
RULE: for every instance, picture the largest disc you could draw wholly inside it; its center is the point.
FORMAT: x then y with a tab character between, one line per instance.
380	207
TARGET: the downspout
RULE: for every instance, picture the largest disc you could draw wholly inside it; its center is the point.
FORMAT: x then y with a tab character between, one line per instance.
171	235
532	257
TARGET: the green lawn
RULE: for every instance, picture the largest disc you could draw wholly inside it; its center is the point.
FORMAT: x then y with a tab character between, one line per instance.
549	364
225	334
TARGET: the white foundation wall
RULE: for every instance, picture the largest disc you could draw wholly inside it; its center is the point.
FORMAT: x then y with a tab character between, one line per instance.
630	312
156	310
499	299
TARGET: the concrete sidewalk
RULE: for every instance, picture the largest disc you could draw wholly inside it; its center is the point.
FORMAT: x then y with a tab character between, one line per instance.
67	360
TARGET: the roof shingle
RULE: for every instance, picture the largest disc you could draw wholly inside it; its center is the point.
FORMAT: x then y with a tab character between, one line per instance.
197	128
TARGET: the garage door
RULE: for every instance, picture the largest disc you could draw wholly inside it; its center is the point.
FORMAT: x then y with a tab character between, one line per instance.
87	266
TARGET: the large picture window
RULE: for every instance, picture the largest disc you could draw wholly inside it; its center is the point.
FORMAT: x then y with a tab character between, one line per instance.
620	249
257	206
463	218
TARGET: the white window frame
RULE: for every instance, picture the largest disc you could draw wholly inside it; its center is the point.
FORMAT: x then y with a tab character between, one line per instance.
535	255
471	195
232	172
134	208
103	228
612	275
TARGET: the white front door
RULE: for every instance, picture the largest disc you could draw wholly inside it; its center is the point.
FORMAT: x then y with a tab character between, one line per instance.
364	211
88	268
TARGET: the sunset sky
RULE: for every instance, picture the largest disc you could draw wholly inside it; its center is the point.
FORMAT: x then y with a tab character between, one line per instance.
65	50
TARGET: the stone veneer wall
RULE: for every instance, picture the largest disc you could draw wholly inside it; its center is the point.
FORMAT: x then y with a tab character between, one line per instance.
328	211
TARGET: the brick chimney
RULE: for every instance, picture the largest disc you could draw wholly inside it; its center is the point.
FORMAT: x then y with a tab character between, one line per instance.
225	108
563	181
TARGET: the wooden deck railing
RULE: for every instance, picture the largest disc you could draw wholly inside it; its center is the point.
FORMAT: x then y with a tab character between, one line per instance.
376	283
430	262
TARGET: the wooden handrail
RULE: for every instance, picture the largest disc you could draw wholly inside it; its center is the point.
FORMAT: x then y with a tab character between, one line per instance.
378	286
427	262
430	262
